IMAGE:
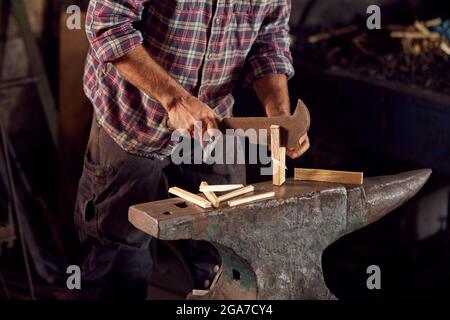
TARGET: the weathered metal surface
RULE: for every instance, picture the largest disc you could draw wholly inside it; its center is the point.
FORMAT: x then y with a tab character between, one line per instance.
282	239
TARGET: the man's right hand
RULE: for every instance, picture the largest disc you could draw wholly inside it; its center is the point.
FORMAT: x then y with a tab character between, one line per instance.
191	114
185	111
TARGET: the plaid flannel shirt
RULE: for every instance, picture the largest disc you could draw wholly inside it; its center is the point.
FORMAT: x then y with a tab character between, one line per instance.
204	45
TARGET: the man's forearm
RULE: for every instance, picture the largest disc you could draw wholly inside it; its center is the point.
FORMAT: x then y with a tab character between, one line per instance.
273	93
139	68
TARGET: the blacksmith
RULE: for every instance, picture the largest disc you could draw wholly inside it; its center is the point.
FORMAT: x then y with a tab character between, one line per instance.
150	64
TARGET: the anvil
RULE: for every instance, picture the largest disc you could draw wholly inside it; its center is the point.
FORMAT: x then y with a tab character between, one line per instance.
272	249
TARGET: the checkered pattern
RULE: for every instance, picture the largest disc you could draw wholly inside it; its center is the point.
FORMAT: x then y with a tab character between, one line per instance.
204	45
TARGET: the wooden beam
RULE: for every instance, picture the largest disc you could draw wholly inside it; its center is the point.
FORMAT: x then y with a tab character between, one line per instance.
328	176
278	156
445	47
414	35
199	293
250	199
188	196
433	22
211	196
220	187
236	193
422	28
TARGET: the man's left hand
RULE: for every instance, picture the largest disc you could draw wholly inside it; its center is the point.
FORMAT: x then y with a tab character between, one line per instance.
303	146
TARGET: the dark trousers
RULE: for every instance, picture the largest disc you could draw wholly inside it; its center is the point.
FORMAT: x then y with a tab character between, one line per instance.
119	263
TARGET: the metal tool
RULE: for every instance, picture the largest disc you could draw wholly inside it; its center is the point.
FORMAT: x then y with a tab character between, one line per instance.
272	249
292	128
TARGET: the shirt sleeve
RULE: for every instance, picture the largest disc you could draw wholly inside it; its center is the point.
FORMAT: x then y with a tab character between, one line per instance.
109	27
270	53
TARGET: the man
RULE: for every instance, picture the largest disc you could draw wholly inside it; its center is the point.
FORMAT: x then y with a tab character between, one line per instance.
152	63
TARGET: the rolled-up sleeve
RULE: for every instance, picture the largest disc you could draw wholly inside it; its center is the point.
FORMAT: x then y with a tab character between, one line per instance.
271	53
110	29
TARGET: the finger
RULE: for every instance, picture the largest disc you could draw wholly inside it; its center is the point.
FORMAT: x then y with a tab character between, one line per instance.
304	147
217	117
294	154
213	132
303	139
198	131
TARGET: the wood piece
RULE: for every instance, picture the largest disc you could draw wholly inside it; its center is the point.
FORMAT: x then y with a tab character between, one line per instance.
422	28
328	176
188	196
220	187
211	196
414	35
199	293
433	22
327	35
292	127
250	199
429	24
236	193
445	47
283	163
278	157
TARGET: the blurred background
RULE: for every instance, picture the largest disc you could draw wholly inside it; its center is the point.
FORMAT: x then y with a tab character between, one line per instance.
379	102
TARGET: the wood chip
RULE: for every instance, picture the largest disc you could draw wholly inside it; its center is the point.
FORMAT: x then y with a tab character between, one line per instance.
220	187
211	196
414	35
278	157
422	28
327	35
188	196
433	22
236	193
199	293
445	47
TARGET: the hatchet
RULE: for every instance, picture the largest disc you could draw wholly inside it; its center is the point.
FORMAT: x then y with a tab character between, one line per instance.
292	128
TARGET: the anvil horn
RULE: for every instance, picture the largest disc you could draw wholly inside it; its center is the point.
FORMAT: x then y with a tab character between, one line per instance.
380	195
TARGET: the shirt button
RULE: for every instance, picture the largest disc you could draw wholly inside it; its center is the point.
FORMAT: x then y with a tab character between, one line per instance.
210	56
217	21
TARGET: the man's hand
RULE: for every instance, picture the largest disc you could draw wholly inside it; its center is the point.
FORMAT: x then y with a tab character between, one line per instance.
191	114
183	109
295	153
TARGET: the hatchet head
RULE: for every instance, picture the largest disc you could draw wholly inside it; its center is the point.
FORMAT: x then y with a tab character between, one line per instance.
292	128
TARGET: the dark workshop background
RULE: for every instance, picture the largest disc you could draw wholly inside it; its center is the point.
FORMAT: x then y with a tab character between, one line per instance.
375	108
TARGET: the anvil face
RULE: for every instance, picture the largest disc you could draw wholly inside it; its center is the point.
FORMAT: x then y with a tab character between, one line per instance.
276	245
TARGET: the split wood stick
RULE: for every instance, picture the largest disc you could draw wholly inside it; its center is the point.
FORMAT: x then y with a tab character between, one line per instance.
445	47
414	35
236	193
278	157
433	22
199	293
422	28
211	196
188	196
220	187
256	197
328	176
327	35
